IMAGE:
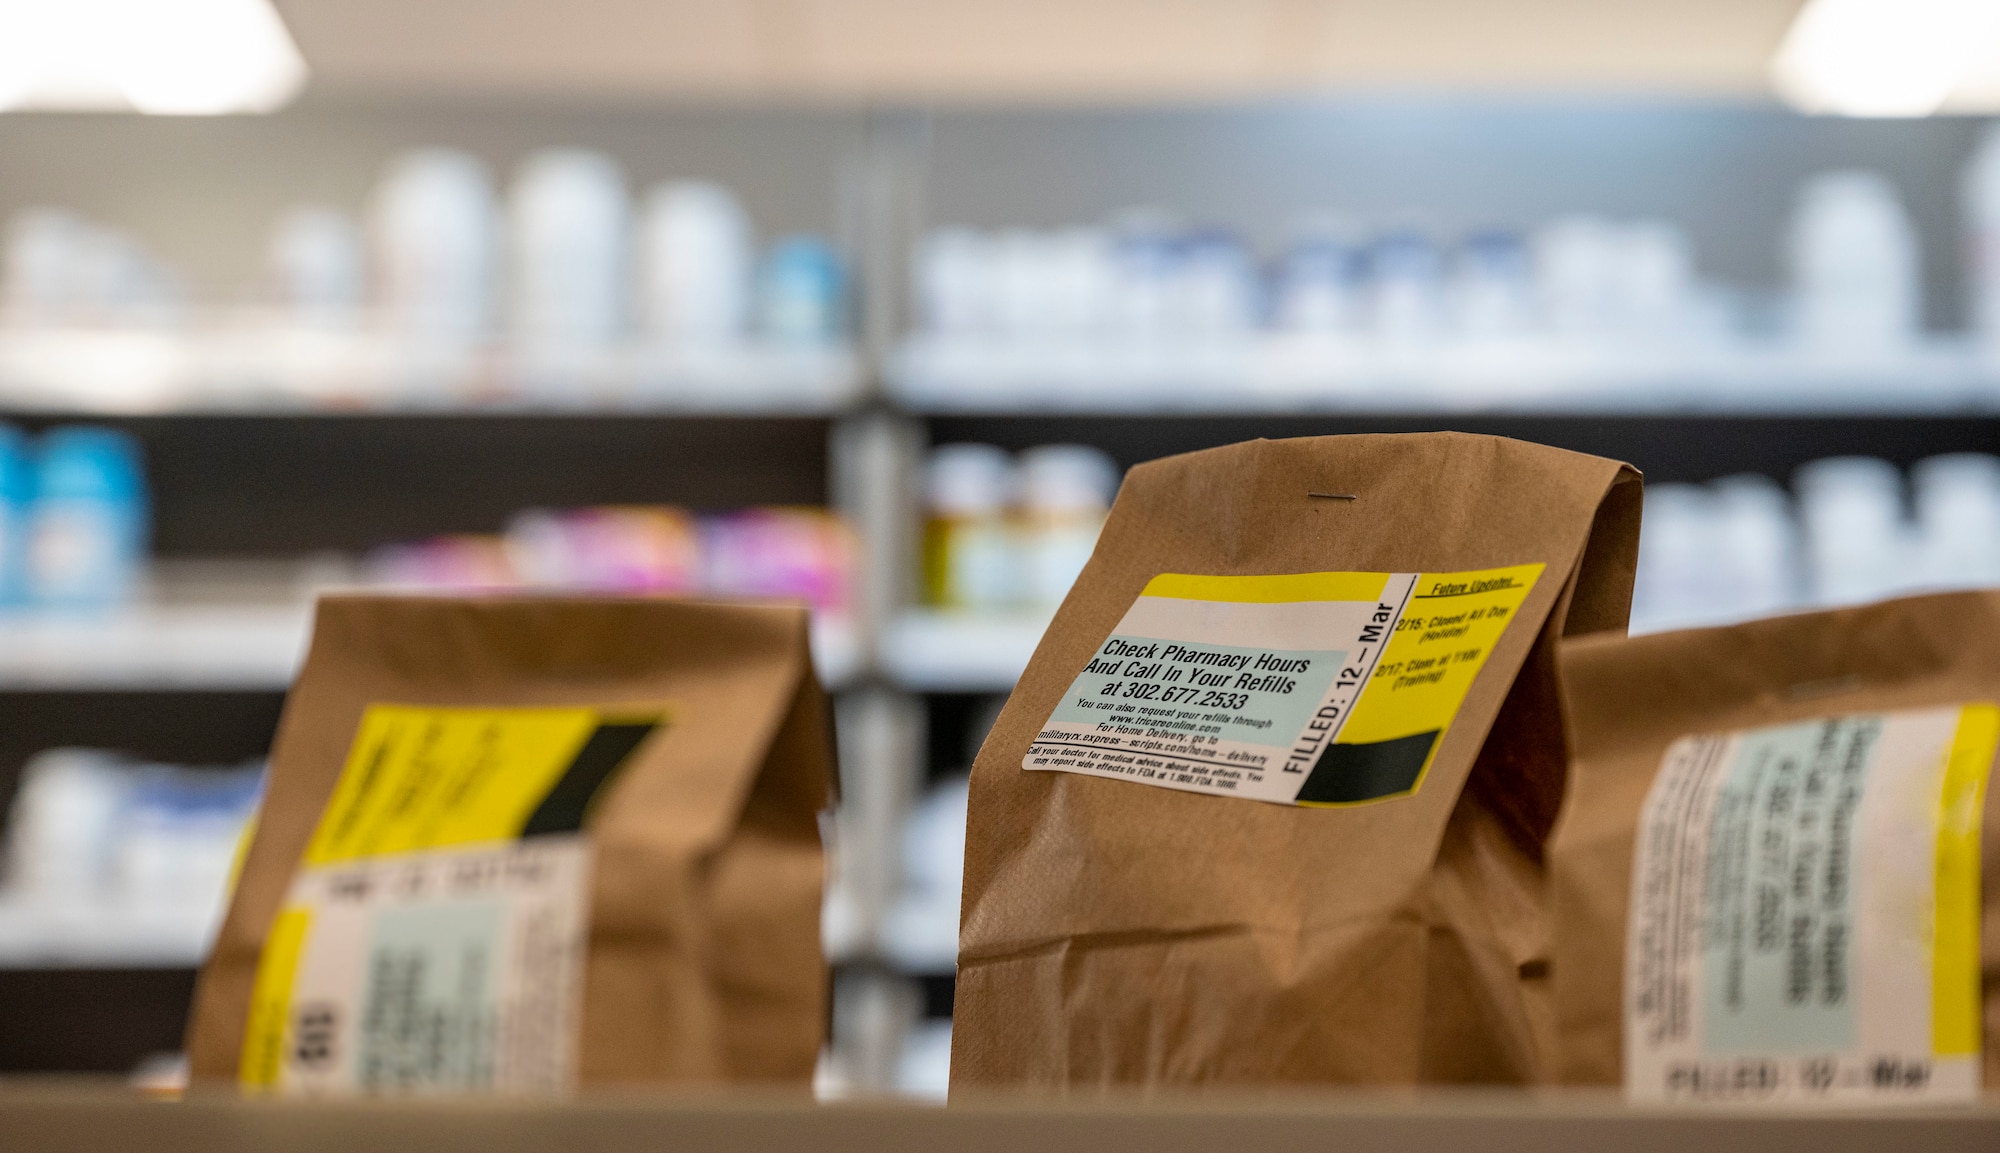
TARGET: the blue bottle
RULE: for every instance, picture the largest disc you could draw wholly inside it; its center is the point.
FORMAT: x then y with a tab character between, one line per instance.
87	528
802	293
17	492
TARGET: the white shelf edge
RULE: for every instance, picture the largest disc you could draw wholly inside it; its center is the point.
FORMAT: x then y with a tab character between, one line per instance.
142	647
277	373
1274	375
228	648
81	935
930	651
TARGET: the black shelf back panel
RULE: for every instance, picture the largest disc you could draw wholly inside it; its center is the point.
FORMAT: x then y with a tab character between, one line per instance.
174	726
91	1020
1665	448
285	485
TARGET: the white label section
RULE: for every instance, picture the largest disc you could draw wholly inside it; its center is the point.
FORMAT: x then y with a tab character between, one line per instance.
1779	947
1236	698
441	972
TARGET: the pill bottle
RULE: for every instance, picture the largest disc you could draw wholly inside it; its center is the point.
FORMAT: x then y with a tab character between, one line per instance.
969	559
1065	494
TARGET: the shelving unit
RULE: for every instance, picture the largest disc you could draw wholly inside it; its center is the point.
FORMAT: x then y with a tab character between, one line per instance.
1275	373
274	446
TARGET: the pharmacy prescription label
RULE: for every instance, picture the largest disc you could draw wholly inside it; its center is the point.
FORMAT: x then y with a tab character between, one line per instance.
1804	919
433	936
1327	688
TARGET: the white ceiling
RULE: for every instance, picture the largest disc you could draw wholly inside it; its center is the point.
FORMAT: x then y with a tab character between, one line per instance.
1035	50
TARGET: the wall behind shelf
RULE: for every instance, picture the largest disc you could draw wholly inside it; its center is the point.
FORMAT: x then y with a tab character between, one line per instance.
202	192
1728	172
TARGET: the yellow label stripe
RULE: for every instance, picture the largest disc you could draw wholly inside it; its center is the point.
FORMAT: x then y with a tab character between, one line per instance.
1305	586
421	777
1447	631
1955	996
265	1035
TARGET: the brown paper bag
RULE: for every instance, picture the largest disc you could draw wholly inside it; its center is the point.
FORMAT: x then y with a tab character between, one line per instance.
1766	880
1358	628
517	845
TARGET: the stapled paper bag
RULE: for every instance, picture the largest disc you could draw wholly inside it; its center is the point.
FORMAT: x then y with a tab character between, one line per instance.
1770	879
524	845
1267	805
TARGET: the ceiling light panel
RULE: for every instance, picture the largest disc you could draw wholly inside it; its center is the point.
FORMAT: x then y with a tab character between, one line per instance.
167	57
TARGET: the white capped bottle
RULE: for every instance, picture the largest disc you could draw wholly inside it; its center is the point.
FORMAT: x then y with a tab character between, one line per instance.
1957	499
435	236
1079	282
1756	547
1319	281
1065	495
44	266
1576	275
1853	255
1406	286
697	261
1858	545
1979	197
1652	279
954	281
970	561
1491	285
63	826
569	233
1678	584
315	260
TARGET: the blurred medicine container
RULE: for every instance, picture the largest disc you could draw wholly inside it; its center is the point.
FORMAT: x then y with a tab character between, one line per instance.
1065	495
16	496
87	525
1002	535
968	555
92	829
802	293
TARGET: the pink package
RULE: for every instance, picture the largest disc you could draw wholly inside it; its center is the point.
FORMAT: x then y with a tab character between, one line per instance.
794	553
